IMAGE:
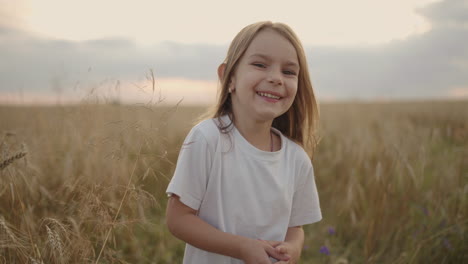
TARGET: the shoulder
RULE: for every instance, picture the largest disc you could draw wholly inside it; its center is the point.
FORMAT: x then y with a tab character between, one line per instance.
296	150
205	132
207	128
295	153
299	162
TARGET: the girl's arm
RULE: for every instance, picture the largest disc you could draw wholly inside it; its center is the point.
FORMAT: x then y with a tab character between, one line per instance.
295	236
292	244
184	224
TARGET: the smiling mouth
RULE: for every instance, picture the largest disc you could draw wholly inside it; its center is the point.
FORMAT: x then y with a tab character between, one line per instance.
268	95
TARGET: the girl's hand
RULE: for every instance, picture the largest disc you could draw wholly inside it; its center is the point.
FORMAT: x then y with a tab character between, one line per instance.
259	251
286	249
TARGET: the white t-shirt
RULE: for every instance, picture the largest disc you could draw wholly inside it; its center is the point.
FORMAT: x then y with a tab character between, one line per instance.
242	190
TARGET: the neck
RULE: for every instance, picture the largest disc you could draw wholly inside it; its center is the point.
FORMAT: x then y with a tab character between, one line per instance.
255	132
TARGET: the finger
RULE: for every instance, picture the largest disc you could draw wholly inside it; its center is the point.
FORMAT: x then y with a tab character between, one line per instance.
271	242
282	262
275	254
281	249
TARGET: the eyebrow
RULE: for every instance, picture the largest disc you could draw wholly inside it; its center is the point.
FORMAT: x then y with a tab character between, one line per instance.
289	63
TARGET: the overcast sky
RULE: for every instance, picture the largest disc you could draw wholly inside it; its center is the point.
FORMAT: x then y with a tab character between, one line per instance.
367	50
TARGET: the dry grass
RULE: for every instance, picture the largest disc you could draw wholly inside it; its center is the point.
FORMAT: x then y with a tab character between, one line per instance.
392	180
10	160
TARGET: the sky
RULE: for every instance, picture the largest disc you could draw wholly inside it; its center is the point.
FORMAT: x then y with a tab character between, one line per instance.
73	51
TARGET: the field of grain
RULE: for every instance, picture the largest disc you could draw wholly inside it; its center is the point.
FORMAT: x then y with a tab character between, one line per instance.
85	184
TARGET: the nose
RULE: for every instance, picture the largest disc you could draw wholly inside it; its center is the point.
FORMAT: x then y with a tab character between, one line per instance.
275	77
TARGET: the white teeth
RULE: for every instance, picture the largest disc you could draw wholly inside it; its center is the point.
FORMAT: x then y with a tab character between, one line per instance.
268	95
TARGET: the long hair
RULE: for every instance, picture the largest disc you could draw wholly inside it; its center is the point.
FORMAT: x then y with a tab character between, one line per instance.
300	122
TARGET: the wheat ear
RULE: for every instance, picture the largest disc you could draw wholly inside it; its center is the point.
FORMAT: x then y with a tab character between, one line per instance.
55	243
5	231
10	160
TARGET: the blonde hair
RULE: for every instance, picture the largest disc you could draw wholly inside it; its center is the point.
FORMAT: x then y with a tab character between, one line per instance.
300	122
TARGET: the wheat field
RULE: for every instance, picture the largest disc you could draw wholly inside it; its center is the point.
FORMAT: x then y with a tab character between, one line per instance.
86	183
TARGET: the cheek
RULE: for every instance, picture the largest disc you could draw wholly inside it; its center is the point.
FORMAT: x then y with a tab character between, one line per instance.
292	89
252	76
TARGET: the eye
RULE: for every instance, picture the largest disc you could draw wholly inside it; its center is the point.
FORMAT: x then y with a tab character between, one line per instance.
289	72
260	65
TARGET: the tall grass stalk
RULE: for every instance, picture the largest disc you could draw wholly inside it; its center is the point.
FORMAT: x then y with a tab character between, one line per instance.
120	206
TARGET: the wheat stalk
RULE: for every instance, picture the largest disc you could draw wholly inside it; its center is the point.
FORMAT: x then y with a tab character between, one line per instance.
55	242
120	206
55	223
5	230
10	160
35	261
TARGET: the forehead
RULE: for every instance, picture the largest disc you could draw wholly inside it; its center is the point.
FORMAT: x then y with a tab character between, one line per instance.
270	43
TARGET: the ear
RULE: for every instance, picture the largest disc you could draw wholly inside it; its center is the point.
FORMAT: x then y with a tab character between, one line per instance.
221	69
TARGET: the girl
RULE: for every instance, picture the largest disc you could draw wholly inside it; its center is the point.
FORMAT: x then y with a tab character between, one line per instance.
244	185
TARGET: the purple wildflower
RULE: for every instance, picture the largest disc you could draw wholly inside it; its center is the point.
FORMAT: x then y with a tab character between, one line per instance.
305	247
324	250
331	230
425	211
447	243
443	223
418	231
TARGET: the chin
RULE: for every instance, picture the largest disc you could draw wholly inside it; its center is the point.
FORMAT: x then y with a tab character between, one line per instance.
268	116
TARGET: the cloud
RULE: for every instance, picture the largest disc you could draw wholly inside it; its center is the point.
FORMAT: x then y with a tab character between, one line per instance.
447	13
432	64
31	62
426	65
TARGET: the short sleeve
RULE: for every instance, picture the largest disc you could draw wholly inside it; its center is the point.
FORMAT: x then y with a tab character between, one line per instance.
191	174
306	204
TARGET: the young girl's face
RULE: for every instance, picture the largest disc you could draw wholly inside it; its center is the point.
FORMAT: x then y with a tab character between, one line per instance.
266	78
